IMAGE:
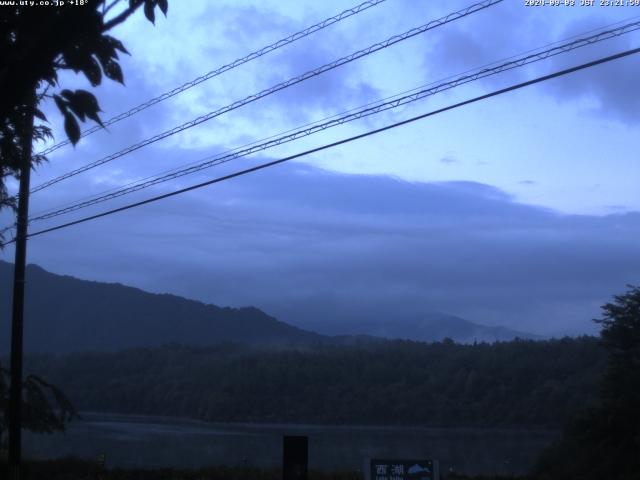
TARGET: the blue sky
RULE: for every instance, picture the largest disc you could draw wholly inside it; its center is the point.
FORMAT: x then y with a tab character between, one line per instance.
521	210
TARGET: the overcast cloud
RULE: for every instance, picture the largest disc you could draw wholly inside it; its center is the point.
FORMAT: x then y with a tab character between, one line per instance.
520	211
328	250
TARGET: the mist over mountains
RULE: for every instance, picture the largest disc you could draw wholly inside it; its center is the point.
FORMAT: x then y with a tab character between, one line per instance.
65	314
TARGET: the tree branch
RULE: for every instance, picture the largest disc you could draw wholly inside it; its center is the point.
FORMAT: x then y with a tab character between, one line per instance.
122	16
106	9
44	94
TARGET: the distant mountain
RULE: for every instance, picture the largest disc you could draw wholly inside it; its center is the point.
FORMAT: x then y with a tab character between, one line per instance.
65	314
435	326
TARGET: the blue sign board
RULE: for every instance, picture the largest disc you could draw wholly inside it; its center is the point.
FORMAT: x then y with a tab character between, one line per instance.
383	469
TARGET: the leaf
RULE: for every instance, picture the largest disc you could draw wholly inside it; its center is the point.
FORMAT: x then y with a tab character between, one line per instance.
96	118
87	100
46	408
41	133
117	44
78	112
85	103
38	159
148	11
71	127
113	71
62	105
164	6
73	59
92	71
51	78
38	114
105	51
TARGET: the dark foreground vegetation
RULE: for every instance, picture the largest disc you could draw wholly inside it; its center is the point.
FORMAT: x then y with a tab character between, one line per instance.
74	469
603	441
518	383
591	385
80	470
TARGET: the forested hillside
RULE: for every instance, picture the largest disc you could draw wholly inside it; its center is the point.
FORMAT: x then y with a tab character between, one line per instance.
65	314
396	382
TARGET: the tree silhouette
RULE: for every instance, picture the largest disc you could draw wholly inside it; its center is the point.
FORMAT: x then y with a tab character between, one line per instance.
46	409
35	44
604	441
621	337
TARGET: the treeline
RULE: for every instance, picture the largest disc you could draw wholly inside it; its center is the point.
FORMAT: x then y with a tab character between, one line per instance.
518	383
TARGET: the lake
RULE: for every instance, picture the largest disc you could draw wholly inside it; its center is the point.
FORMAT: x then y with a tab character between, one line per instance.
154	442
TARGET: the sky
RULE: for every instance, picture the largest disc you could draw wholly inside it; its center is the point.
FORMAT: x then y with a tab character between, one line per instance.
520	210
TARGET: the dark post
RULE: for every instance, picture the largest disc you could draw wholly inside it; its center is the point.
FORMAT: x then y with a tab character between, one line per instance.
15	394
295	457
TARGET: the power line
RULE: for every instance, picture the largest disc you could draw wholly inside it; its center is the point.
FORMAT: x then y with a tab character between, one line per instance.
413	90
341	142
225	68
6	229
381	106
281	86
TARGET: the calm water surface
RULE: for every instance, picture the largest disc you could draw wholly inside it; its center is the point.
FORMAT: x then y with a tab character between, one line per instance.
152	442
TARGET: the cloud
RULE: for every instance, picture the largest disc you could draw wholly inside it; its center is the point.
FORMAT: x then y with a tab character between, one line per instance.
482	38
322	249
608	89
448	160
333	251
512	29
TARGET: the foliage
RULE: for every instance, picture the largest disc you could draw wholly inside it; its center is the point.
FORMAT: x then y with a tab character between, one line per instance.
621	338
72	468
536	383
38	42
45	408
604	441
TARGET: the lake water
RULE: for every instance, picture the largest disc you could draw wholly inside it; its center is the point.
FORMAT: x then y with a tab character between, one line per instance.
152	442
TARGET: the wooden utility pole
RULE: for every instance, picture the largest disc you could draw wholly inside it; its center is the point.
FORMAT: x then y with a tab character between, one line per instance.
17	319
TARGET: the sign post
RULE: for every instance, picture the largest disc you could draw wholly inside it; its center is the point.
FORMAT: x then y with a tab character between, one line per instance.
295	457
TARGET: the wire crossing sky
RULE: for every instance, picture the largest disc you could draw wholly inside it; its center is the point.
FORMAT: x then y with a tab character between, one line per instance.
521	211
361	113
451	17
225	68
342	142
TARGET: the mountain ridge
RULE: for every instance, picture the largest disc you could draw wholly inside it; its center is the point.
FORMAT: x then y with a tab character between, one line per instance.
111	316
65	314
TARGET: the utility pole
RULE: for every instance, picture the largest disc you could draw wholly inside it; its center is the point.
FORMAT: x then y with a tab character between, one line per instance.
17	319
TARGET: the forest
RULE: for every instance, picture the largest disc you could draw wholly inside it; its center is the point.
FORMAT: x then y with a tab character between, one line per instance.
587	387
516	383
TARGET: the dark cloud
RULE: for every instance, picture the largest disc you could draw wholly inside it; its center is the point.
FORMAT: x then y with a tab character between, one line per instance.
610	87
511	29
480	39
330	251
333	91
